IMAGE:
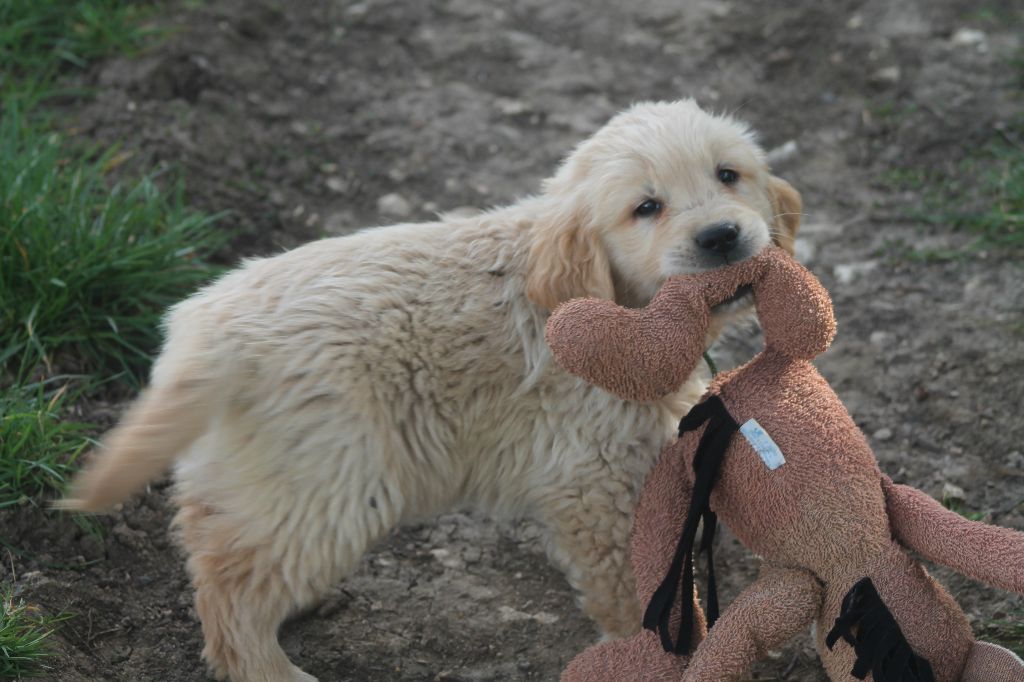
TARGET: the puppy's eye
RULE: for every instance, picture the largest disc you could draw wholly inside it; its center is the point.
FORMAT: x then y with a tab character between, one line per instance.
727	176
648	209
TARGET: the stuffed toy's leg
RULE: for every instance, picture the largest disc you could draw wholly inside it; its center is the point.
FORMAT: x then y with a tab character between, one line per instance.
990	554
992	663
779	604
637	659
658	521
981	551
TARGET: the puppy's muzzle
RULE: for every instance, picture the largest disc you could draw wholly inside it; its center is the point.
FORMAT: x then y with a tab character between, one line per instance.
720	238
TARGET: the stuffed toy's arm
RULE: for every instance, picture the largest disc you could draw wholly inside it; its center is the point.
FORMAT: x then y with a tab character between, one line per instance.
657	524
648	353
635	354
987	553
794	308
779	604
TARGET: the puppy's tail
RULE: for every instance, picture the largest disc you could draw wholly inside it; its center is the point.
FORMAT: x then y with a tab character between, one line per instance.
164	421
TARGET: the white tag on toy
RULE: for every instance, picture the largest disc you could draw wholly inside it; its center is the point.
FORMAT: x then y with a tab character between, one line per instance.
763	444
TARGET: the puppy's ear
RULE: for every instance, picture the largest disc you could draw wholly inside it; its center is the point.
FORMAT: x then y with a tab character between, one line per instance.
567	259
794	309
786	207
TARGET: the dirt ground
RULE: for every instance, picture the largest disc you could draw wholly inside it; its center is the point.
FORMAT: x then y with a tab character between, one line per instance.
301	118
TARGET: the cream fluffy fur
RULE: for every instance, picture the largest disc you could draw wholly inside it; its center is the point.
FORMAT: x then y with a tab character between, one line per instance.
313	401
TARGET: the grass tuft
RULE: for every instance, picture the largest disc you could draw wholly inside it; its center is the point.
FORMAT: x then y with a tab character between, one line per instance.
995	210
958	507
983	197
1007	632
40	38
24	632
38	448
85	269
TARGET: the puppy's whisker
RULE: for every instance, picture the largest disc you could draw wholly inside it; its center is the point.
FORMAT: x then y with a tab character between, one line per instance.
739	107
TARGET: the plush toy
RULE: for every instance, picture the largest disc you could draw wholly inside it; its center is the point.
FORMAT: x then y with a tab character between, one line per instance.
773	452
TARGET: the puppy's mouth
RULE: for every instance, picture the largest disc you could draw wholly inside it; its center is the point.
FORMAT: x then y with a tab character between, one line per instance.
741	298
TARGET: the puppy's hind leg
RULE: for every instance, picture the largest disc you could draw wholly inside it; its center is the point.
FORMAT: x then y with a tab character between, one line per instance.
241	600
252	573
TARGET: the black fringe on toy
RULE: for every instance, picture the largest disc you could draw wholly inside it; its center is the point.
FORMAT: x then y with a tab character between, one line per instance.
713	444
879	643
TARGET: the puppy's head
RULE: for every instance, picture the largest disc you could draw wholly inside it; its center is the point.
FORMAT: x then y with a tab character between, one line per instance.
663	189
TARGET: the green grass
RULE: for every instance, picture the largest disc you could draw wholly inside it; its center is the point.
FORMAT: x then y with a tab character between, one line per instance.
38	448
983	194
983	197
993	210
40	38
960	507
1007	632
86	269
24	632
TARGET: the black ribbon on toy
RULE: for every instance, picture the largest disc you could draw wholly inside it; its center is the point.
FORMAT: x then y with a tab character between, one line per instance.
706	462
880	645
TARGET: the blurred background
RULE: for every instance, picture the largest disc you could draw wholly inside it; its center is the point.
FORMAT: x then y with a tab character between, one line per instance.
145	146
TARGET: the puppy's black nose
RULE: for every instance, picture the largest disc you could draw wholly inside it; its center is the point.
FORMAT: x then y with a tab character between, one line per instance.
720	237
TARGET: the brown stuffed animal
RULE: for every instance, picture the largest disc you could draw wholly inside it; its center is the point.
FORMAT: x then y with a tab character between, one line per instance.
774	453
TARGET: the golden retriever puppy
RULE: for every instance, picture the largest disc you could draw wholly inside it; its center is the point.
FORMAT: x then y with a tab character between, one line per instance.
313	401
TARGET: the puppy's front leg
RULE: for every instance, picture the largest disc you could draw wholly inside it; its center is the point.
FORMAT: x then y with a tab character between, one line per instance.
589	525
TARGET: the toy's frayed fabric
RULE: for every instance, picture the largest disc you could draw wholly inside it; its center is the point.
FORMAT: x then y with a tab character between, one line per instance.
866	624
981	551
822	521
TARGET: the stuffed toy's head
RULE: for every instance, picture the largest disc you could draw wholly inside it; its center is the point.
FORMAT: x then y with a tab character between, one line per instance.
644	354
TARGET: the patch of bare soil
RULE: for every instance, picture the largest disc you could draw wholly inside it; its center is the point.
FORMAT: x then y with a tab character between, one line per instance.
301	118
